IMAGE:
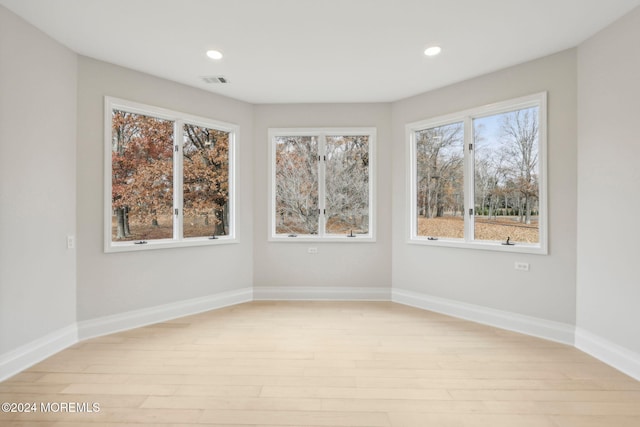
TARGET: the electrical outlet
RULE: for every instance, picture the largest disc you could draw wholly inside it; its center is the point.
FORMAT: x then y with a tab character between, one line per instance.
71	242
522	266
312	250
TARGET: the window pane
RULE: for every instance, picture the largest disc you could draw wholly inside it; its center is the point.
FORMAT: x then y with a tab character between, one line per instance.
440	181
506	176
142	177
347	184
296	185
205	181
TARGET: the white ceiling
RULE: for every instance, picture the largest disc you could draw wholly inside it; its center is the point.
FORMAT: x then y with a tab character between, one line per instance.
300	51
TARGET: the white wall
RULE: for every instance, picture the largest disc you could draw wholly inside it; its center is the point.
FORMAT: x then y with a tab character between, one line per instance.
609	180
37	184
487	278
119	282
354	265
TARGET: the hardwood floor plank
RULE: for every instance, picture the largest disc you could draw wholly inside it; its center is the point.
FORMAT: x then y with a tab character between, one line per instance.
594	421
598	396
298	418
233	404
354	393
407	419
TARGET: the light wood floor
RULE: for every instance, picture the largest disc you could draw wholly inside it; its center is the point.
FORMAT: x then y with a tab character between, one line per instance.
325	364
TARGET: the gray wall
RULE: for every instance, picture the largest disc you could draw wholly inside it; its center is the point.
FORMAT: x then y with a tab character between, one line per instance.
609	176
37	183
486	278
335	264
118	282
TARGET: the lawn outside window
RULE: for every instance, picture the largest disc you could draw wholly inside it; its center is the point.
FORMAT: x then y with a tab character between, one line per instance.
321	184
169	178
477	179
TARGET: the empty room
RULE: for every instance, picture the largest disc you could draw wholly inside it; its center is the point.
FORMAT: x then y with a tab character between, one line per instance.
319	213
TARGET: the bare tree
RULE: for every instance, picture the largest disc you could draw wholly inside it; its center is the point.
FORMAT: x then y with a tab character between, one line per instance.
347	179
297	184
439	153
520	145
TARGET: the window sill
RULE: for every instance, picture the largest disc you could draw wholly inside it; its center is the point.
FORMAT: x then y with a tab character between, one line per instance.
486	246
168	244
327	239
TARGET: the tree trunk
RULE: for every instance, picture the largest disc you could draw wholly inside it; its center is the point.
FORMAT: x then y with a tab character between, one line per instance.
220	229
127	232
120	229
490	213
520	210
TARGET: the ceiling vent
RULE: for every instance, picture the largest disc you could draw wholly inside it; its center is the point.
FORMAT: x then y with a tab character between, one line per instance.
215	79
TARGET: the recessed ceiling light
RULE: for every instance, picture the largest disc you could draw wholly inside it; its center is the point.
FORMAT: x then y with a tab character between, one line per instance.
214	54
432	51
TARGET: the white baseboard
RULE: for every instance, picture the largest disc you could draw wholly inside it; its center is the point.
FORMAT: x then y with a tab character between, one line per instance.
541	328
161	313
612	354
36	351
316	293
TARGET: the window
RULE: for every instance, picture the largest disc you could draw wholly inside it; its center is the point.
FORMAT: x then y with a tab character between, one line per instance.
169	178
321	184
477	178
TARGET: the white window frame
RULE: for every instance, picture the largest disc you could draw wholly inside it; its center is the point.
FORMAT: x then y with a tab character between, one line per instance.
322	133
466	117
179	119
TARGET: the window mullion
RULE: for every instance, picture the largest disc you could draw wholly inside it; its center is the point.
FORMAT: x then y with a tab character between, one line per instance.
322	152
469	211
178	168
